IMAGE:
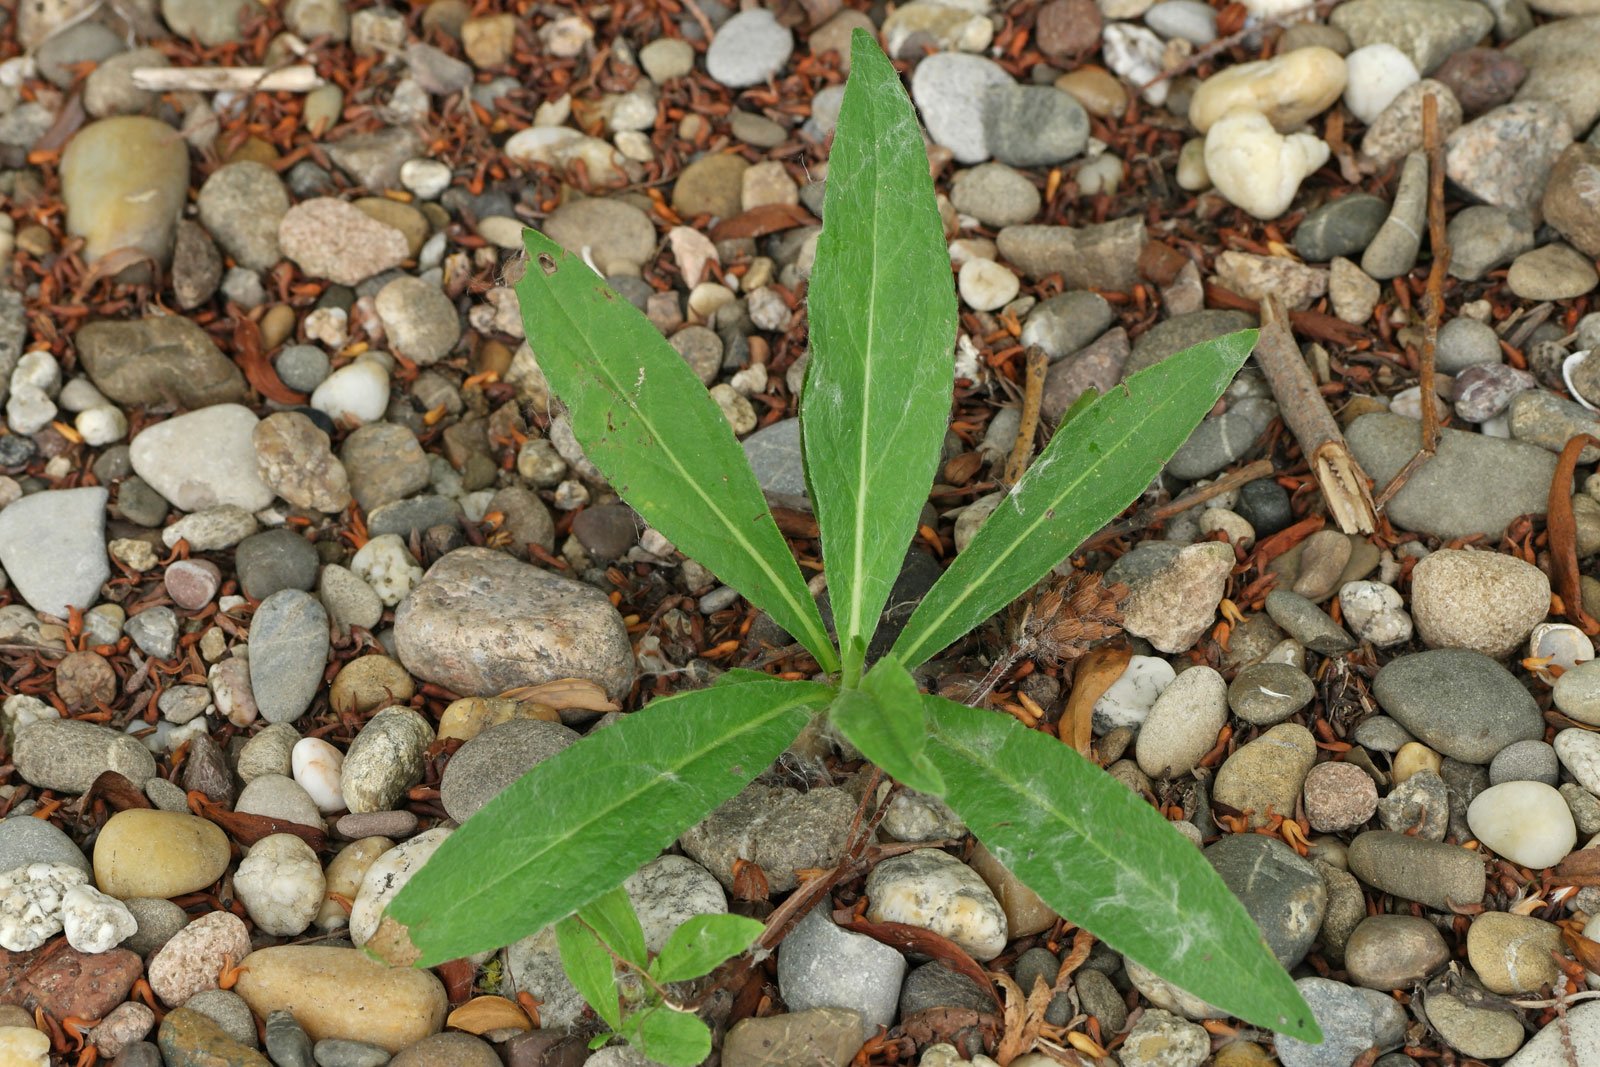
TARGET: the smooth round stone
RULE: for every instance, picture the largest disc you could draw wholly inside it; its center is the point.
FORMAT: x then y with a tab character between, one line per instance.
1287	90
1034	125
1429	872
822	966
748	49
344	877
1393	951
368	683
288	650
1283	893
142	852
1528	823
950	89
53	547
420	322
387	875
1302	620
1026	913
27	841
1525	761
666	58
1482	1033
316	766
1378	73
448	1050
385	759
124	181
229	1011
1265	776
1339	796
279	797
191	961
987	286
1183	724
1511	954
1554	272
938	892
1265	694
203	458
281	885
341	993
496	758
268	752
1348	1019
995	195
159	921
1577	693
1465	343
274	560
358	391
1343	227
1187	20
1486	709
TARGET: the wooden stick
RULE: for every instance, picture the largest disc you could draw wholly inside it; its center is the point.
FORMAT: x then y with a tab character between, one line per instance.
1033	395
296	79
1433	308
1343	482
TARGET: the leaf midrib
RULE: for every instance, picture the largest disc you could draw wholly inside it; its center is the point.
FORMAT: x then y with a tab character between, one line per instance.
1093	841
911	653
600	814
822	646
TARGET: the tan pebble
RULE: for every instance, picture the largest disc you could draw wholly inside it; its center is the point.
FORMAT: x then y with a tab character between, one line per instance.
340	992
470	716
1413	756
369	683
403	217
345	875
146	853
192	961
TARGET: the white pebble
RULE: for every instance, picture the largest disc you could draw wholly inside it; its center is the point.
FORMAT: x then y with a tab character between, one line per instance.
387	875
1378	74
1563	644
29	409
94	922
1288	90
1528	823
101	425
986	285
30	903
426	178
936	891
359	391
80	395
328	326
23	1046
316	766
38	369
1257	168
1128	700
1135	54
280	883
1375	612
1579	751
1192	174
386	565
1183	723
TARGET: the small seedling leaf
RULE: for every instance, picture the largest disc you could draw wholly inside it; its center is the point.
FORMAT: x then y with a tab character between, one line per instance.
703	942
586	818
876	401
672	1038
647	422
589	968
1096	465
612	918
884	718
1106	860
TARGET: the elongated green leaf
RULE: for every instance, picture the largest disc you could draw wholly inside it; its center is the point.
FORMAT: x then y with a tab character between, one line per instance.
673	1038
647	422
580	822
703	942
877	395
1094	467
612	918
1106	860
885	720
590	969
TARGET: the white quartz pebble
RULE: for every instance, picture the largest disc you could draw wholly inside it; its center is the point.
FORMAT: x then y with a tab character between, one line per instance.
359	390
94	922
986	286
316	766
1579	751
1129	699
1257	168
1528	823
1378	74
280	883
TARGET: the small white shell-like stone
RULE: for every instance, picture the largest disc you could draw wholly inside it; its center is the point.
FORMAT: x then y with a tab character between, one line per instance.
1579	751
1256	167
386	876
385	564
94	922
101	425
1134	53
30	903
985	285
1528	823
23	1046
1565	645
316	766
359	390
1375	612
1378	73
1129	699
281	884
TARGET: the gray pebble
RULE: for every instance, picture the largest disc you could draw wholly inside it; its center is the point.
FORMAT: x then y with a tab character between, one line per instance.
1307	623
496	758
1525	761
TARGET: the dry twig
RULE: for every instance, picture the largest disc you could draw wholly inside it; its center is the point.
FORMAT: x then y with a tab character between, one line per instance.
1033	395
296	79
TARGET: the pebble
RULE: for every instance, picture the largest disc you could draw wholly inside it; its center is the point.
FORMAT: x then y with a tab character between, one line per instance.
1504	157
52	545
1512	478
1187	20
1484	601
1548	1048
1393	249
748	49
333	239
1252	276
1342	227
1378	73
1161	1039
386	567
995	195
341	993
949	89
229	1011
274	561
829	1037
385	759
384	463
126	1024
241	205
1393	951
189	1038
1484	237
496	758
420	322
1525	761
28	841
1430	872
541	627
1511	954
1352	293
1255	167
124	181
1572	197
938	892
1183	723
94	922
1489	710
1265	776
1426	31
191	960
202	459
1577	693
1351	1024
1287	90
67	755
288	650
1306	623
1127	700
1479	1032
281	885
780	830
667	892
295	460
1554	272
985	285
1580	754
1172	607
1486	390
1033	125
145	853
619	236
1339	796
386	876
358	392
1135	54
1102	256
1283	893
159	920
1481	78
823	966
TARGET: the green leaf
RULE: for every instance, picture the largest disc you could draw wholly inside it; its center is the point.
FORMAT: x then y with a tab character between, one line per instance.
583	820
882	314
884	718
1106	860
614	921
589	968
701	943
647	422
1089	472
673	1038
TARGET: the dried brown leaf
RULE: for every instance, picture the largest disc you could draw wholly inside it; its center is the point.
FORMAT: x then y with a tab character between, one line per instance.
760	221
1094	674
565	693
926	943
483	1014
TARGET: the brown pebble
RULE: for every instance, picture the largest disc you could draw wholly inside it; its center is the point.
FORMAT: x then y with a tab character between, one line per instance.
64	981
191	583
1339	796
85	679
1481	78
392	824
1067	28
